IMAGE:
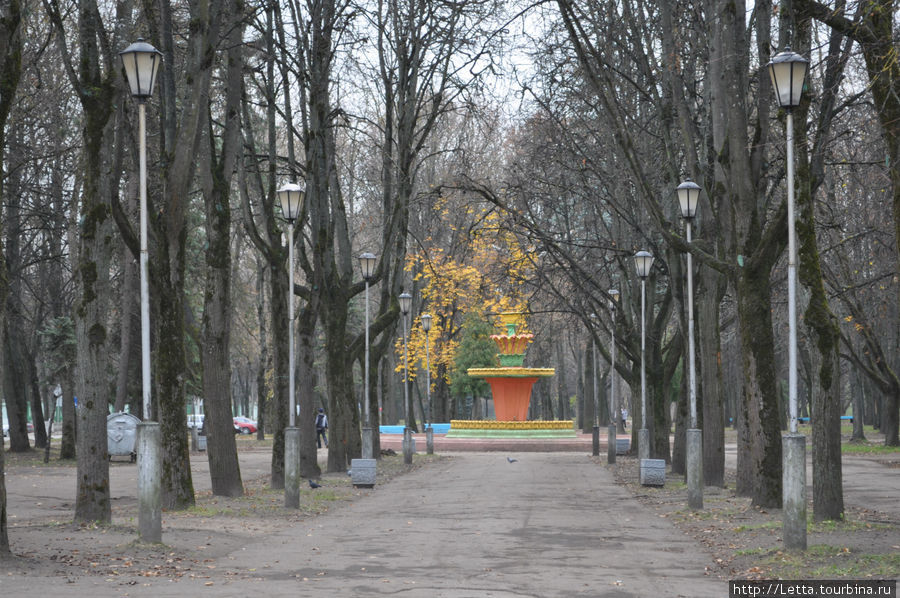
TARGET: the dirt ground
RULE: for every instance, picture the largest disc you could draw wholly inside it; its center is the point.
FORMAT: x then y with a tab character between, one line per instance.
45	542
199	544
745	542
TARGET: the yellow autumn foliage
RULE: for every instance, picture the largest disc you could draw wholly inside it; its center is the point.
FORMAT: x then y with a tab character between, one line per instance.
487	275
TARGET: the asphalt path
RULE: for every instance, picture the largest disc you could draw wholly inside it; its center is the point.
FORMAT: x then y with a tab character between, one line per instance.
547	525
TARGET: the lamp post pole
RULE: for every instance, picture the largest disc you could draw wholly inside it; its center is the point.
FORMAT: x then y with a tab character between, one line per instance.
788	71
405	304
613	410
291	199
644	434
292	401
643	261
141	62
145	263
688	194
429	429
292	434
595	430
367	265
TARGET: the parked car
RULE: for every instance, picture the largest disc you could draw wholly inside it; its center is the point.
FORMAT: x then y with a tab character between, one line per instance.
244	425
195	421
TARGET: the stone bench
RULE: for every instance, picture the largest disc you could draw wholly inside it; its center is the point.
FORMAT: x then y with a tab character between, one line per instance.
362	473
653	472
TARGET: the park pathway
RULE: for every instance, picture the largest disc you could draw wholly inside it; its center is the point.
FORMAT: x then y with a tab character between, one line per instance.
476	525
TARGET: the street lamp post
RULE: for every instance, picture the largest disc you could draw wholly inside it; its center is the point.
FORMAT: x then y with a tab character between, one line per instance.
595	430
142	62
291	199
642	262
405	305
429	429
788	71
688	194
367	267
613	404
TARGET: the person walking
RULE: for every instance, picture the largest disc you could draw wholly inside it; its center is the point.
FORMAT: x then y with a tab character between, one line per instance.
321	428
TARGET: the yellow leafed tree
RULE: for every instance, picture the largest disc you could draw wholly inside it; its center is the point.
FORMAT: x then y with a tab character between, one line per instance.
484	272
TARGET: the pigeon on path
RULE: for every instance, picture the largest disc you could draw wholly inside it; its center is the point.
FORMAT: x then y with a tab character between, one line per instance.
312	484
511	460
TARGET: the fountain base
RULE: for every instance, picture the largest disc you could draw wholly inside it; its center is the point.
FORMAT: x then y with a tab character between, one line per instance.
464	428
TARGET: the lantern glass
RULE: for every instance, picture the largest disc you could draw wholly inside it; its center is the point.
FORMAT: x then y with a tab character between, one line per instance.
614	295
291	199
688	194
367	265
426	322
405	303
141	62
642	262
788	71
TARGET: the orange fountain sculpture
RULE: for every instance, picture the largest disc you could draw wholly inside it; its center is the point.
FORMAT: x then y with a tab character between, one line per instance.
511	383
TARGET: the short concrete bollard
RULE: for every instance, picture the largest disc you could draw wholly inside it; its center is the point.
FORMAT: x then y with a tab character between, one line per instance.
362	473
653	472
623	445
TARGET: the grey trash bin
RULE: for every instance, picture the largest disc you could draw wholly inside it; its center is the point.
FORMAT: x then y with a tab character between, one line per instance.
121	435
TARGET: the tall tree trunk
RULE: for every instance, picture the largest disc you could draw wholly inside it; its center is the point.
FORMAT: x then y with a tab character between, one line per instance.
37	404
262	385
224	468
99	95
278	409
129	301
63	352
752	239
67	443
759	407
10	75
184	120
329	266
710	377
579	384
127	338
660	371
267	237
591	389
682	423
442	402
825	387
562	378
889	413
857	390
16	387
4	525
306	362
874	32
13	391
92	500
343	421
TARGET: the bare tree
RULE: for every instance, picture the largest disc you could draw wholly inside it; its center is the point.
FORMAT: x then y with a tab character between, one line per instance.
872	27
98	83
217	306
10	76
